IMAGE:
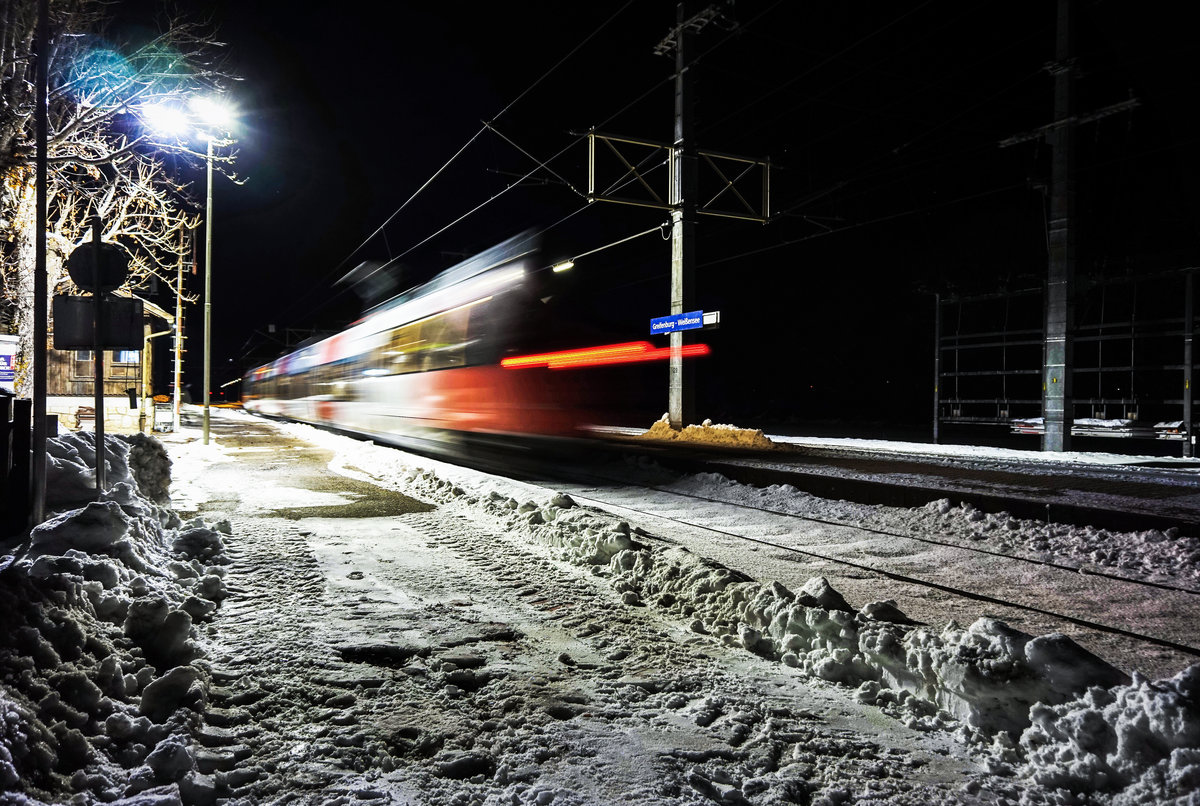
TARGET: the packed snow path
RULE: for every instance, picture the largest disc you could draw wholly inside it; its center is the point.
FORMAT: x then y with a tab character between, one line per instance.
433	658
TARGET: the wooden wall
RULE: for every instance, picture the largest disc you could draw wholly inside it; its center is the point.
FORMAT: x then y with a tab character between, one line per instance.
68	377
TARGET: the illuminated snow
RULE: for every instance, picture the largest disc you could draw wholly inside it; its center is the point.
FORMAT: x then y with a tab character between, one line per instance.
110	607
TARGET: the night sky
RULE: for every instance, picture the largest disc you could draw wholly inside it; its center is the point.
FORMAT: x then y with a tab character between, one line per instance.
883	122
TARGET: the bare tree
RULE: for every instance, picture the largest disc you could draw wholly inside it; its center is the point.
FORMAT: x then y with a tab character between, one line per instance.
103	160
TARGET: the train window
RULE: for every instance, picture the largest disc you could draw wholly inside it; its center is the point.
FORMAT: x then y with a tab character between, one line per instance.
445	338
402	353
319	381
481	337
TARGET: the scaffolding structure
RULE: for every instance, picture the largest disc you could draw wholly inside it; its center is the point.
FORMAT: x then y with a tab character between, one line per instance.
1131	371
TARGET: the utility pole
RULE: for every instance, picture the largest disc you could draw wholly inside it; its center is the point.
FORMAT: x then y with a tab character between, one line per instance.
681	396
1189	331
728	180
1057	351
1060	280
937	368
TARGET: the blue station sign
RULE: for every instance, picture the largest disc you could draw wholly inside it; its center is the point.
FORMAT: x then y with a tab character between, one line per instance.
677	321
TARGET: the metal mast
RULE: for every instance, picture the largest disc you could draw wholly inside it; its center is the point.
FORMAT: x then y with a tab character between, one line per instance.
681	387
1060	280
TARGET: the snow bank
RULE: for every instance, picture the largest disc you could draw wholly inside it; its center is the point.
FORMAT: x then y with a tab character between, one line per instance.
1141	740
137	460
1042	708
99	665
726	436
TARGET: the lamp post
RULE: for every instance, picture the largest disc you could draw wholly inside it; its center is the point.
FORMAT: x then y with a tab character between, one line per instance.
208	219
213	115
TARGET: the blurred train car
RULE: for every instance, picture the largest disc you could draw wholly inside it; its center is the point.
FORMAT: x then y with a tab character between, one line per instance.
473	354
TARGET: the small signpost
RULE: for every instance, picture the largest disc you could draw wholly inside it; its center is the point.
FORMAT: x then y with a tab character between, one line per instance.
100	269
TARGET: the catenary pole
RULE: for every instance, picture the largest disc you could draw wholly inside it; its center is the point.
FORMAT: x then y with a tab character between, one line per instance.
1189	331
937	368
1060	280
681	384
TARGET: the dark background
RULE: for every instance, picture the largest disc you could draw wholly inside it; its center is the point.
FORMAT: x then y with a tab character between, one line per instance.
883	122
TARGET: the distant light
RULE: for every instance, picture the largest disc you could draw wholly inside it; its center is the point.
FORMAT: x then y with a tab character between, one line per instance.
563	266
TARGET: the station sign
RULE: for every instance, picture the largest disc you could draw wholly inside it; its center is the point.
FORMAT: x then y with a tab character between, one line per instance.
693	320
8	362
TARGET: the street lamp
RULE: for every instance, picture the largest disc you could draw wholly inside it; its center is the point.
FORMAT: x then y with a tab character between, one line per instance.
212	114
208	219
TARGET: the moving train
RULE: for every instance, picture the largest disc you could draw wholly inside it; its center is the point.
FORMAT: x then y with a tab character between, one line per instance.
477	351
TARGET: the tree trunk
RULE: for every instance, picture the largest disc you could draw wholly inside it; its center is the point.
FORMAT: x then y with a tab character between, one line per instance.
24	191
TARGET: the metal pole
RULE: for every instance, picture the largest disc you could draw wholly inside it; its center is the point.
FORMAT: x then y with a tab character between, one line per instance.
208	290
1057	403
937	367
680	390
178	336
40	277
1189	330
98	357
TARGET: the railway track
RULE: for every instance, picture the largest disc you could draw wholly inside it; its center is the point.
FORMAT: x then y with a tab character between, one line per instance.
1152	599
1080	569
1133	623
1118	498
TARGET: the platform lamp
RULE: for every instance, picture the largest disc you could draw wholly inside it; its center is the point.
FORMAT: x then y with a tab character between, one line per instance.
206	116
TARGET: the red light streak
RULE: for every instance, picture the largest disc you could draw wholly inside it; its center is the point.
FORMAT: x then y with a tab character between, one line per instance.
626	353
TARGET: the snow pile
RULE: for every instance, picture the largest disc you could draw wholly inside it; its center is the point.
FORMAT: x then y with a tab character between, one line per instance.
100	680
988	675
1141	740
726	436
135	459
1082	726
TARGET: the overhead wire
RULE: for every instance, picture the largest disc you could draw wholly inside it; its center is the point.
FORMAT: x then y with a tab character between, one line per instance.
381	228
861	224
738	112
487	126
866	169
544	165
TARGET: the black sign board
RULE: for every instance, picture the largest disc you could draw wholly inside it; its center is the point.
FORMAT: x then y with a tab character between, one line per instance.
74	323
113	266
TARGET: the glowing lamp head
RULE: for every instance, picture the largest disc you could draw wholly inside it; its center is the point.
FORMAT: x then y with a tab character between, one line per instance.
212	112
165	119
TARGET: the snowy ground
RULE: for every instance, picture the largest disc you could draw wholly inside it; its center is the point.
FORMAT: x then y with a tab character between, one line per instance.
311	619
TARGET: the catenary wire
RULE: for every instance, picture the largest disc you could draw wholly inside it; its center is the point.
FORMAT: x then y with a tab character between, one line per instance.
458	154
